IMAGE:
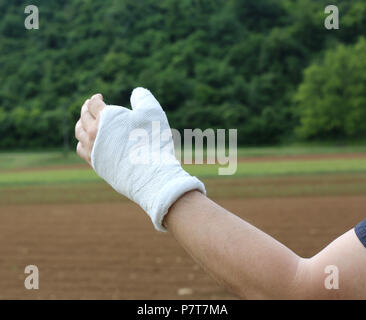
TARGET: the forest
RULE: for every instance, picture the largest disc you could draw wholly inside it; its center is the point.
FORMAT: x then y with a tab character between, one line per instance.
268	68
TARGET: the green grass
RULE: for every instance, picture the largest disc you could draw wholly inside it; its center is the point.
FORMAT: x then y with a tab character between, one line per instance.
40	177
294	150
21	160
16	160
246	169
48	177
12	162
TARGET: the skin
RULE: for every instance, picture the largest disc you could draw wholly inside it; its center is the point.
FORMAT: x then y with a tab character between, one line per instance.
256	265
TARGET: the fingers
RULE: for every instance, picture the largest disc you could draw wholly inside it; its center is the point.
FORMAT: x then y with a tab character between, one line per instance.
87	127
83	153
96	105
97	95
83	136
143	98
87	120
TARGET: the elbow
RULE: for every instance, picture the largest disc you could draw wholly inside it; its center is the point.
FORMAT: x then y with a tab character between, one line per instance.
295	286
304	283
308	284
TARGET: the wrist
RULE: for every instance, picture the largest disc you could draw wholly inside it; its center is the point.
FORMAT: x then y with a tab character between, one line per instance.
169	194
182	202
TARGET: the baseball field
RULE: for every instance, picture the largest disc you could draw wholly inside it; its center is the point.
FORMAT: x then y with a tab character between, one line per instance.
91	243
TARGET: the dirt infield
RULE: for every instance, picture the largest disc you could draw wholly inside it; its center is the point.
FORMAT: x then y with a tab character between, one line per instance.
110	251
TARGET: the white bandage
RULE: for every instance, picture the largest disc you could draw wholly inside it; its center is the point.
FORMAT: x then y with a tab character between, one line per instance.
134	160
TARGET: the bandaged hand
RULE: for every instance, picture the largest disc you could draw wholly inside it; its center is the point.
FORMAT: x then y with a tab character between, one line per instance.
133	151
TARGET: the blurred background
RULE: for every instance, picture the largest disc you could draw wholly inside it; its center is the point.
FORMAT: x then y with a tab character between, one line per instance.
295	91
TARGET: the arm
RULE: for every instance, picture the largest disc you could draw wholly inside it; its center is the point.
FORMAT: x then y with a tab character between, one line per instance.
255	266
244	259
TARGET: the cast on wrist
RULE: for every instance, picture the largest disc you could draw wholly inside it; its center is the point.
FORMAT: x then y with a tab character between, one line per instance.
155	184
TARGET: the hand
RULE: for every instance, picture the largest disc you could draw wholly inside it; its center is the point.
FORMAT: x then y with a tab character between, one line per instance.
134	158
87	126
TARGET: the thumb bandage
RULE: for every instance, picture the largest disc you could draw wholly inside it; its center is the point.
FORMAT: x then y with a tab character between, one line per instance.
134	152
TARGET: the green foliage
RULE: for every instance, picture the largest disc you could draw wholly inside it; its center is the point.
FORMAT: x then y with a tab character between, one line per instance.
211	63
332	98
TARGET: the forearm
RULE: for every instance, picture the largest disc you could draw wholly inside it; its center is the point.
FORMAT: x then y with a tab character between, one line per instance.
244	259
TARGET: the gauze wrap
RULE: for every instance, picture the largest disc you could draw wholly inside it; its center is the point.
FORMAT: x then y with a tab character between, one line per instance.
137	160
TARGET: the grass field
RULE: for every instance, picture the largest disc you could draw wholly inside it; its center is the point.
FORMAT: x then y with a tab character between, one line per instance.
14	160
19	169
246	169
90	242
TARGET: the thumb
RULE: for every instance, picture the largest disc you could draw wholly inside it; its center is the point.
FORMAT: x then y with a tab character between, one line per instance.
144	99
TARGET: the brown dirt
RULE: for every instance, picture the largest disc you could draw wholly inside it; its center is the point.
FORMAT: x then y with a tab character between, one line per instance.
218	188
110	251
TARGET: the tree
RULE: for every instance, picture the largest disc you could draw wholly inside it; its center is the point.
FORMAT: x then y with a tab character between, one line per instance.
331	101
